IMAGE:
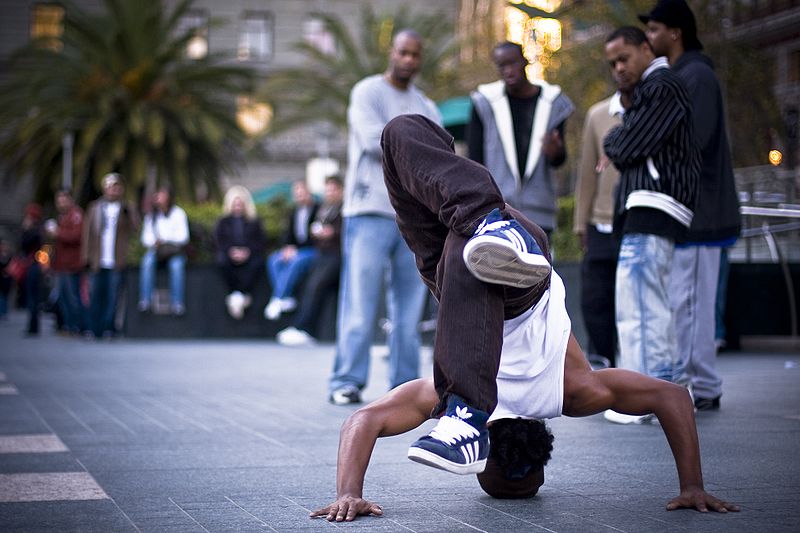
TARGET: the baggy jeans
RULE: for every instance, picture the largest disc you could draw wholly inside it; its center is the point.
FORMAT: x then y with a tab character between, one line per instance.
645	325
693	290
440	198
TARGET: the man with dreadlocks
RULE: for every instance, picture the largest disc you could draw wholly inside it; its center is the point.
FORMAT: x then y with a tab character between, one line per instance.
504	355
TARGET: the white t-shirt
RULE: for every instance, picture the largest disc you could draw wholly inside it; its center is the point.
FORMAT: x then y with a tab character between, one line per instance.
108	238
172	228
530	382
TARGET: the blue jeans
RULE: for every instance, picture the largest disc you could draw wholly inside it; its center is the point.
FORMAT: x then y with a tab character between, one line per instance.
284	275
176	265
374	251
69	301
645	326
103	293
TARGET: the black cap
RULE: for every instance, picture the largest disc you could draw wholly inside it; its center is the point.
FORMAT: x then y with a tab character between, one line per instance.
676	14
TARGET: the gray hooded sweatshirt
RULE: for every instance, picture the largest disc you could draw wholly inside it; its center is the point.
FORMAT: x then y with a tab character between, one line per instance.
534	192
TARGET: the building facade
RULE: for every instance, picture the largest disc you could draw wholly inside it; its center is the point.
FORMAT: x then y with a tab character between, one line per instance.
259	33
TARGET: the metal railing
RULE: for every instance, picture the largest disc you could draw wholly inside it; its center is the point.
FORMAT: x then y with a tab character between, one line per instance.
768	231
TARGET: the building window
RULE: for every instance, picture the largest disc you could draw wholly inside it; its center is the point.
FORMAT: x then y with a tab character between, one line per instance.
317	35
195	21
255	36
47	25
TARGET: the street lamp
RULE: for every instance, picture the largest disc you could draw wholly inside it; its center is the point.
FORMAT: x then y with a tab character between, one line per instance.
253	117
530	25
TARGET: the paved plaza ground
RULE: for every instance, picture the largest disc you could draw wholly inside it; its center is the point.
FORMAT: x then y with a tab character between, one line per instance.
228	435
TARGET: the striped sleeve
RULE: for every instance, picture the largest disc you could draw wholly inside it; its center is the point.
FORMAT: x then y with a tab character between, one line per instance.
645	127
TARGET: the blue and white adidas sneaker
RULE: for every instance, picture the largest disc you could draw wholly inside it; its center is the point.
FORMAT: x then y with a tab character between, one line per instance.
459	443
503	252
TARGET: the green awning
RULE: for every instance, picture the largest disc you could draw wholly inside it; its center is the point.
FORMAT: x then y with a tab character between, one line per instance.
455	111
270	192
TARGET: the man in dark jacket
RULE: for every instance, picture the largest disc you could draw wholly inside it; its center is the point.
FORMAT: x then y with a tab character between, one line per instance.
671	31
659	163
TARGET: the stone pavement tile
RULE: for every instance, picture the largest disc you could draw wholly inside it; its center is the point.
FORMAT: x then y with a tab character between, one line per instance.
194	456
17	417
453	516
38	443
99	516
49	486
222	518
39	463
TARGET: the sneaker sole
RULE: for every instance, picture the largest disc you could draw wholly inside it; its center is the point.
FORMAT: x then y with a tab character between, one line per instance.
418	455
627	420
494	260
343	400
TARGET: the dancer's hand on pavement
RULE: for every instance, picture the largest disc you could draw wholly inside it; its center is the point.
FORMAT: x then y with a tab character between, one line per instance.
347	508
694	498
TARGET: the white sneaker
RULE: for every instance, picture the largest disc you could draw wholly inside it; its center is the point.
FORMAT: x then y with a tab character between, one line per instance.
235	303
503	252
621	418
273	309
292	336
288	304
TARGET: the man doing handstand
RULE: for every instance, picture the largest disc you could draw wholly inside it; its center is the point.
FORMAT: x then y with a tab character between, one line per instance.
491	275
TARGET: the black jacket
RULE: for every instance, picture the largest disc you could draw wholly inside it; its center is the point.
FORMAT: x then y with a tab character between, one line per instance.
716	213
252	237
290	236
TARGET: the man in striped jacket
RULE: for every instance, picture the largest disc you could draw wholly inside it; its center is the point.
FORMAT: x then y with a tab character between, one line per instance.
659	162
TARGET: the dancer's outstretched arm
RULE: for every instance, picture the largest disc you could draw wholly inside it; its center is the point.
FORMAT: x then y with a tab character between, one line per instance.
400	410
588	392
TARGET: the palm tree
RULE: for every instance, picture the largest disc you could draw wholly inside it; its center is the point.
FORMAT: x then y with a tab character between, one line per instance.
137	105
327	78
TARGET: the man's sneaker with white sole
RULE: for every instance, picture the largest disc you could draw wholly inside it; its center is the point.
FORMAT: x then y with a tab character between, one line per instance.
503	252
459	443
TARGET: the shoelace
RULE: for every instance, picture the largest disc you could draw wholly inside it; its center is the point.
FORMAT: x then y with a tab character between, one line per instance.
451	429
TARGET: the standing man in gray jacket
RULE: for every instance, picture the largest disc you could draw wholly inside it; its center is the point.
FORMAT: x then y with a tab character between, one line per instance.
373	251
672	33
517	132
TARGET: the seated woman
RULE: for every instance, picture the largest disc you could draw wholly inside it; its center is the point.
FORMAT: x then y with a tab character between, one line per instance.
287	266
165	232
240	243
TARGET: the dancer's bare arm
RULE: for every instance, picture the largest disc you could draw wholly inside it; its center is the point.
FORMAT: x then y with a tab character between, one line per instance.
400	410
588	392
